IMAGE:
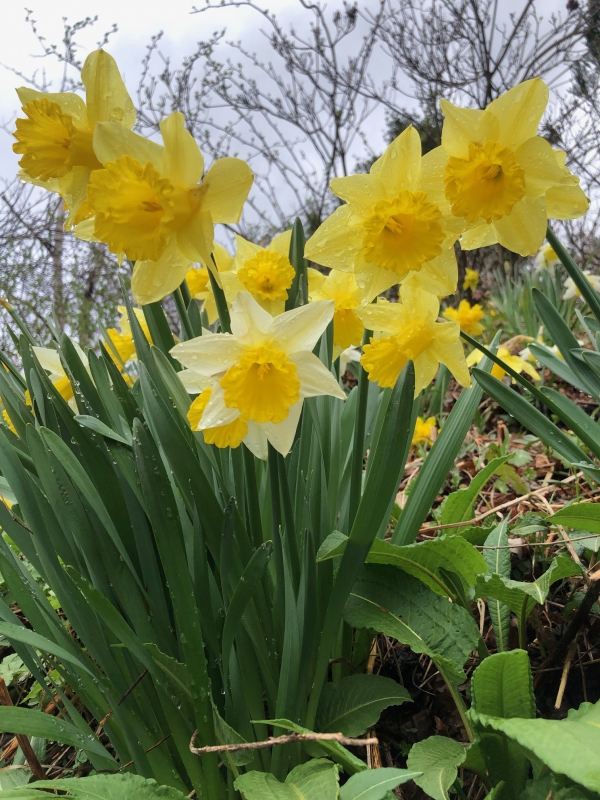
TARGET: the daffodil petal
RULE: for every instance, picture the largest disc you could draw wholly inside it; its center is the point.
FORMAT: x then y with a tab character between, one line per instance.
70	103
209	354
196	239
73	187
250	323
482	236
301	328
426	367
223	258
281	243
244	250
399	168
452	356
227	183
359	189
374	281
281	434
153	280
193	382
461	126
111	141
316	280
336	242
440	274
216	412
524	229
86	230
386	317
538	161
566	202
256	441
183	163
50	360
433	165
105	93
519	112
420	303
315	379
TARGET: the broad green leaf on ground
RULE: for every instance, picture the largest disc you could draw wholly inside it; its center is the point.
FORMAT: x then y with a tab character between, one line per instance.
423	560
14	776
583	516
438	758
502	686
568	747
402	607
315	780
347	760
374	784
458	506
521	597
35	723
354	704
98	787
554	787
498	562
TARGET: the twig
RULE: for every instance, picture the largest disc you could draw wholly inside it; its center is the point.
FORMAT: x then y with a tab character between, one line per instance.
127	693
23	741
565	674
273	741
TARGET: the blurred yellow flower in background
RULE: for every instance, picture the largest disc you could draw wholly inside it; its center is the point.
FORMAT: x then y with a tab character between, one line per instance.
546	258
121	340
516	363
471	280
572	291
425	431
467	316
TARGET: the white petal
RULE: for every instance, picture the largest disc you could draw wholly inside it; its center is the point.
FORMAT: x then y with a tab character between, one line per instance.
216	412
50	360
193	383
210	354
301	328
281	435
315	379
256	441
250	323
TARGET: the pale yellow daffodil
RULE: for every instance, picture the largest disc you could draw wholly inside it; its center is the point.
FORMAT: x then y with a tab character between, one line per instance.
571	289
265	272
50	361
546	258
341	287
425	431
389	226
55	138
501	178
410	332
152	203
516	363
262	371
467	316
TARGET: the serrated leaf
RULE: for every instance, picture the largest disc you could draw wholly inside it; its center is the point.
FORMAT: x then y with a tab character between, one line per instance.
438	758
458	506
354	704
374	784
583	516
404	608
98	787
315	780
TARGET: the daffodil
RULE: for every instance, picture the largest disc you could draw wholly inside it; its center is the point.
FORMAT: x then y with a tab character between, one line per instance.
413	334
262	371
55	138
341	287
499	177
467	316
425	430
571	289
546	258
8	421
50	361
516	363
265	272
389	226
152	203
121	341
199	285
471	280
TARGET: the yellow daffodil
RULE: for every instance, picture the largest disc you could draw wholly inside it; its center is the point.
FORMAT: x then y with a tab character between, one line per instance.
572	291
8	421
50	361
514	362
413	334
152	203
389	225
546	258
341	287
261	372
54	139
265	272
471	280
198	281
425	431
121	340
500	178
467	316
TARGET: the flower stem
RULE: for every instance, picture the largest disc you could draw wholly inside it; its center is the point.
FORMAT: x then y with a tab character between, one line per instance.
358	445
186	325
220	301
579	279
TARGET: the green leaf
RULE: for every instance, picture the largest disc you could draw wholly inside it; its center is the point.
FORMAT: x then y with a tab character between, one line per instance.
19	633
97	426
36	723
458	506
438	759
14	776
354	704
502	686
423	560
583	516
569	747
98	787
315	780
374	784
498	562
407	610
